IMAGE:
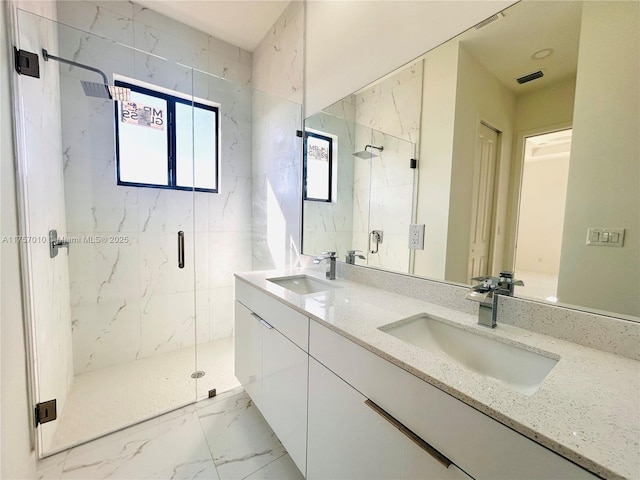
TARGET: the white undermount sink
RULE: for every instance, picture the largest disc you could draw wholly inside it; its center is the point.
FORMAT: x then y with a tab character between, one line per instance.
303	284
521	369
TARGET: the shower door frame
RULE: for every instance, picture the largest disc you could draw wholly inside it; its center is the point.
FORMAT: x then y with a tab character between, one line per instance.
28	288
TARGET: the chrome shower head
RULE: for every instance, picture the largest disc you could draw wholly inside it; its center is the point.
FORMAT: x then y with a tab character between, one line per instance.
366	153
108	92
92	89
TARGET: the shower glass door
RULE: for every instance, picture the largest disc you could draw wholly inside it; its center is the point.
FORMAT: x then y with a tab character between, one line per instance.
384	190
113	327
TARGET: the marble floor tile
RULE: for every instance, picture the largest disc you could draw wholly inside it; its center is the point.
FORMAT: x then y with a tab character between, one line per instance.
224	437
106	400
174	449
239	438
282	468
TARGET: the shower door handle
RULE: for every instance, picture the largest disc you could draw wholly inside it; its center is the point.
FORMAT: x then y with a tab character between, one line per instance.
180	249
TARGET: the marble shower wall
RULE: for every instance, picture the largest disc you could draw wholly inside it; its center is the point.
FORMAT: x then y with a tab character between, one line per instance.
383	199
384	185
277	150
329	225
129	300
40	172
394	104
379	190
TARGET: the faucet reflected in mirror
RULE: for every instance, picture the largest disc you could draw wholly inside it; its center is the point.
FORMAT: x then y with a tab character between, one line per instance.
506	171
351	256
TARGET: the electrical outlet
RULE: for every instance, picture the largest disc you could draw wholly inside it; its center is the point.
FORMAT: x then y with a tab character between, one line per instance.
416	236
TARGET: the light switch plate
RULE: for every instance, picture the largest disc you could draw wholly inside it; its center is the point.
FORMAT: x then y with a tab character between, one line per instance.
605	237
416	236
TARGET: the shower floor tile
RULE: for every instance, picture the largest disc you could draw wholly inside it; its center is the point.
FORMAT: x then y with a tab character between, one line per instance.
112	398
225	437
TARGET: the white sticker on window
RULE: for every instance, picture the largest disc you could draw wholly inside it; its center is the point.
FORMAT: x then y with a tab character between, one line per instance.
139	114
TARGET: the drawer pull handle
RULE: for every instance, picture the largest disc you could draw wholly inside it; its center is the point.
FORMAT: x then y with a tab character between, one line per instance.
262	321
409	434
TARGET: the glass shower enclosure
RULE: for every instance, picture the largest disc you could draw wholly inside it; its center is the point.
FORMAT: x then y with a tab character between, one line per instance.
373	201
120	198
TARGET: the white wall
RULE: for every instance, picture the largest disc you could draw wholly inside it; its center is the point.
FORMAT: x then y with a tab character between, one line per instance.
16	449
351	44
605	171
277	150
436	157
539	111
541	217
479	97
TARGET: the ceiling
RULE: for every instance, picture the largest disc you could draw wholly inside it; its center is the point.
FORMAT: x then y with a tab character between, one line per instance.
505	46
243	23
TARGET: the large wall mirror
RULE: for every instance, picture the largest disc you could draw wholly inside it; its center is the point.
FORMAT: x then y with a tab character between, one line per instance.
514	146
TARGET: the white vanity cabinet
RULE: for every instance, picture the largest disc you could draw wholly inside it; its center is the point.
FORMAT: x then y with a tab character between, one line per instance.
480	446
344	412
272	368
347	439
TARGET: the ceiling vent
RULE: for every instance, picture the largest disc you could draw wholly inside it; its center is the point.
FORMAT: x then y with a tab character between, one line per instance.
529	77
489	20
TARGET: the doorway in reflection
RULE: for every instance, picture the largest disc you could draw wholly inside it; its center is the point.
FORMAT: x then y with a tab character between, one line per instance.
543	195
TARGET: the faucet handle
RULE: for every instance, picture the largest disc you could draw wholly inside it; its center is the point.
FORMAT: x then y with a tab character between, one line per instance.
507	276
329	254
481	279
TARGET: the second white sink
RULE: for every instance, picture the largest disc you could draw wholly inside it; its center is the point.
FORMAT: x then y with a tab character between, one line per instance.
302	284
521	369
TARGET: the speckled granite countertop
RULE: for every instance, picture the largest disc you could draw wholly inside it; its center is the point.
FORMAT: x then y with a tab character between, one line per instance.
587	409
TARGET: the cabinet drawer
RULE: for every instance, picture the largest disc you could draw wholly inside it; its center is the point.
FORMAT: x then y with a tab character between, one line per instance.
349	440
292	324
481	446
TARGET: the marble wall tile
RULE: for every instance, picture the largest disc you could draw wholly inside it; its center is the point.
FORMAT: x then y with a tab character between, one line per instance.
328	226
168	322
228	211
277	151
394	105
145	269
230	252
276	184
278	61
101	270
105	334
112	20
221	313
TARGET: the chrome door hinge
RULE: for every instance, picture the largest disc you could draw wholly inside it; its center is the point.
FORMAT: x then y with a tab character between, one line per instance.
27	63
46	412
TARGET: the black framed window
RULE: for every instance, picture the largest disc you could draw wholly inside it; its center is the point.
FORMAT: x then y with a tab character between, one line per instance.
164	141
318	167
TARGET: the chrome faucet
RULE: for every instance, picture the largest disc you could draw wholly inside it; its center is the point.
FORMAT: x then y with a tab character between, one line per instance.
331	256
487	294
352	255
